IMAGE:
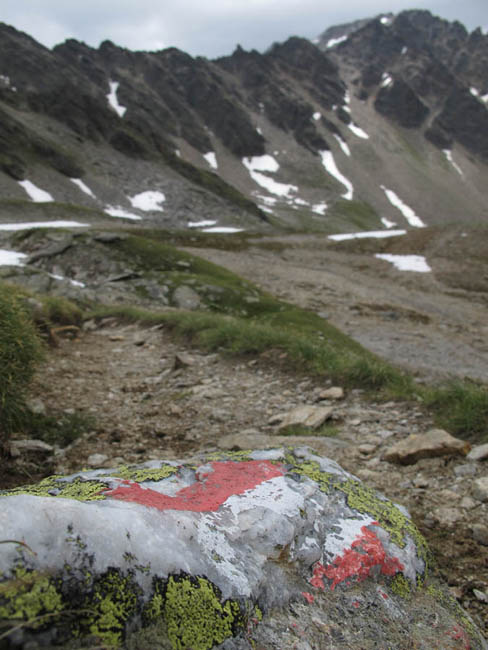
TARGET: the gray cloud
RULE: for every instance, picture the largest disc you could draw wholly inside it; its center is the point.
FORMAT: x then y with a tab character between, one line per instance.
208	28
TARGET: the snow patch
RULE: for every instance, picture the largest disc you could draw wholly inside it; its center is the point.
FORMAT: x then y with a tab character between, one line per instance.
407	212
259	130
329	164
386	20
404	49
386	80
115	211
343	145
376	234
27	225
484	98
358	131
223	229
211	158
387	223
335	41
147	201
267	200
84	188
75	283
347	97
316	116
319	208
11	258
264	208
474	92
415	263
201	224
448	154
264	163
112	99
35	193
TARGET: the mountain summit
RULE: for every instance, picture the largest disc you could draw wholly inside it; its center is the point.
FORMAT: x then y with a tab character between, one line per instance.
379	122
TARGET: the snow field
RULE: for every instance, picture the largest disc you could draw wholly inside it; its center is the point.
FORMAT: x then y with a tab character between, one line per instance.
148	201
415	263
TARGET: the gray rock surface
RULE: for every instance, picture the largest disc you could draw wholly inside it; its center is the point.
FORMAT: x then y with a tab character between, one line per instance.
268	549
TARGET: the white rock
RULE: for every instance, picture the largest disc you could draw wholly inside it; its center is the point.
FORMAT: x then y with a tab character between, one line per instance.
478	453
480	489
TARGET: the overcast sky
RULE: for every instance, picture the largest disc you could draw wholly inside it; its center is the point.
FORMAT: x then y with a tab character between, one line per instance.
209	28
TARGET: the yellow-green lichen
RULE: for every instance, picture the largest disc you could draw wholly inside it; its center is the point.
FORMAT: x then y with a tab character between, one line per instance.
241	455
366	500
145	474
31	597
310	469
79	489
444	598
401	586
112	602
195	616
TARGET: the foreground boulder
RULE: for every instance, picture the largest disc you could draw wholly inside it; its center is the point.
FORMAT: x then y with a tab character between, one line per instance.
268	549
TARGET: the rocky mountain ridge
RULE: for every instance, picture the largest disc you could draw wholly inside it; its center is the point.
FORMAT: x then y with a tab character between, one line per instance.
251	139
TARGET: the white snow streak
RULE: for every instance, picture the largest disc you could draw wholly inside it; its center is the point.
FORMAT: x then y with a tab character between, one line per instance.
448	154
317	116
84	188
222	229
147	201
404	49
343	145
358	131
474	92
329	164
11	258
267	163
386	80
385	20
200	224
376	234
335	41
415	263
119	212
35	193
211	158
112	99
407	212
42	224
75	283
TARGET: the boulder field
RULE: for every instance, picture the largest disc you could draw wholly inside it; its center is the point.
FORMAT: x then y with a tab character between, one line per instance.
267	549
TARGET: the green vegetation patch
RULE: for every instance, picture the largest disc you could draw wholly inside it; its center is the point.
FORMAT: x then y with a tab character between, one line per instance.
354	215
20	352
461	407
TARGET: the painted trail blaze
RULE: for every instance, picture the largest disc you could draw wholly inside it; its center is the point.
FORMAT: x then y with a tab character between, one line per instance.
366	552
208	493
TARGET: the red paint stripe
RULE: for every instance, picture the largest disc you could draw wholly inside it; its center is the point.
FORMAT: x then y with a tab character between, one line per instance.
366	552
210	490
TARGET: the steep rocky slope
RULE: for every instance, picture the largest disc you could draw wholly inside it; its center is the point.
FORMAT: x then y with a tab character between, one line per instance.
300	136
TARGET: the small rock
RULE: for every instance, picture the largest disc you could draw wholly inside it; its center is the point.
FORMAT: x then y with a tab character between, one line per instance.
355	423
468	503
480	595
17	447
366	450
334	393
36	405
446	495
116	337
186	298
183	360
478	453
311	417
468	469
435	442
96	460
447	516
480	489
480	533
